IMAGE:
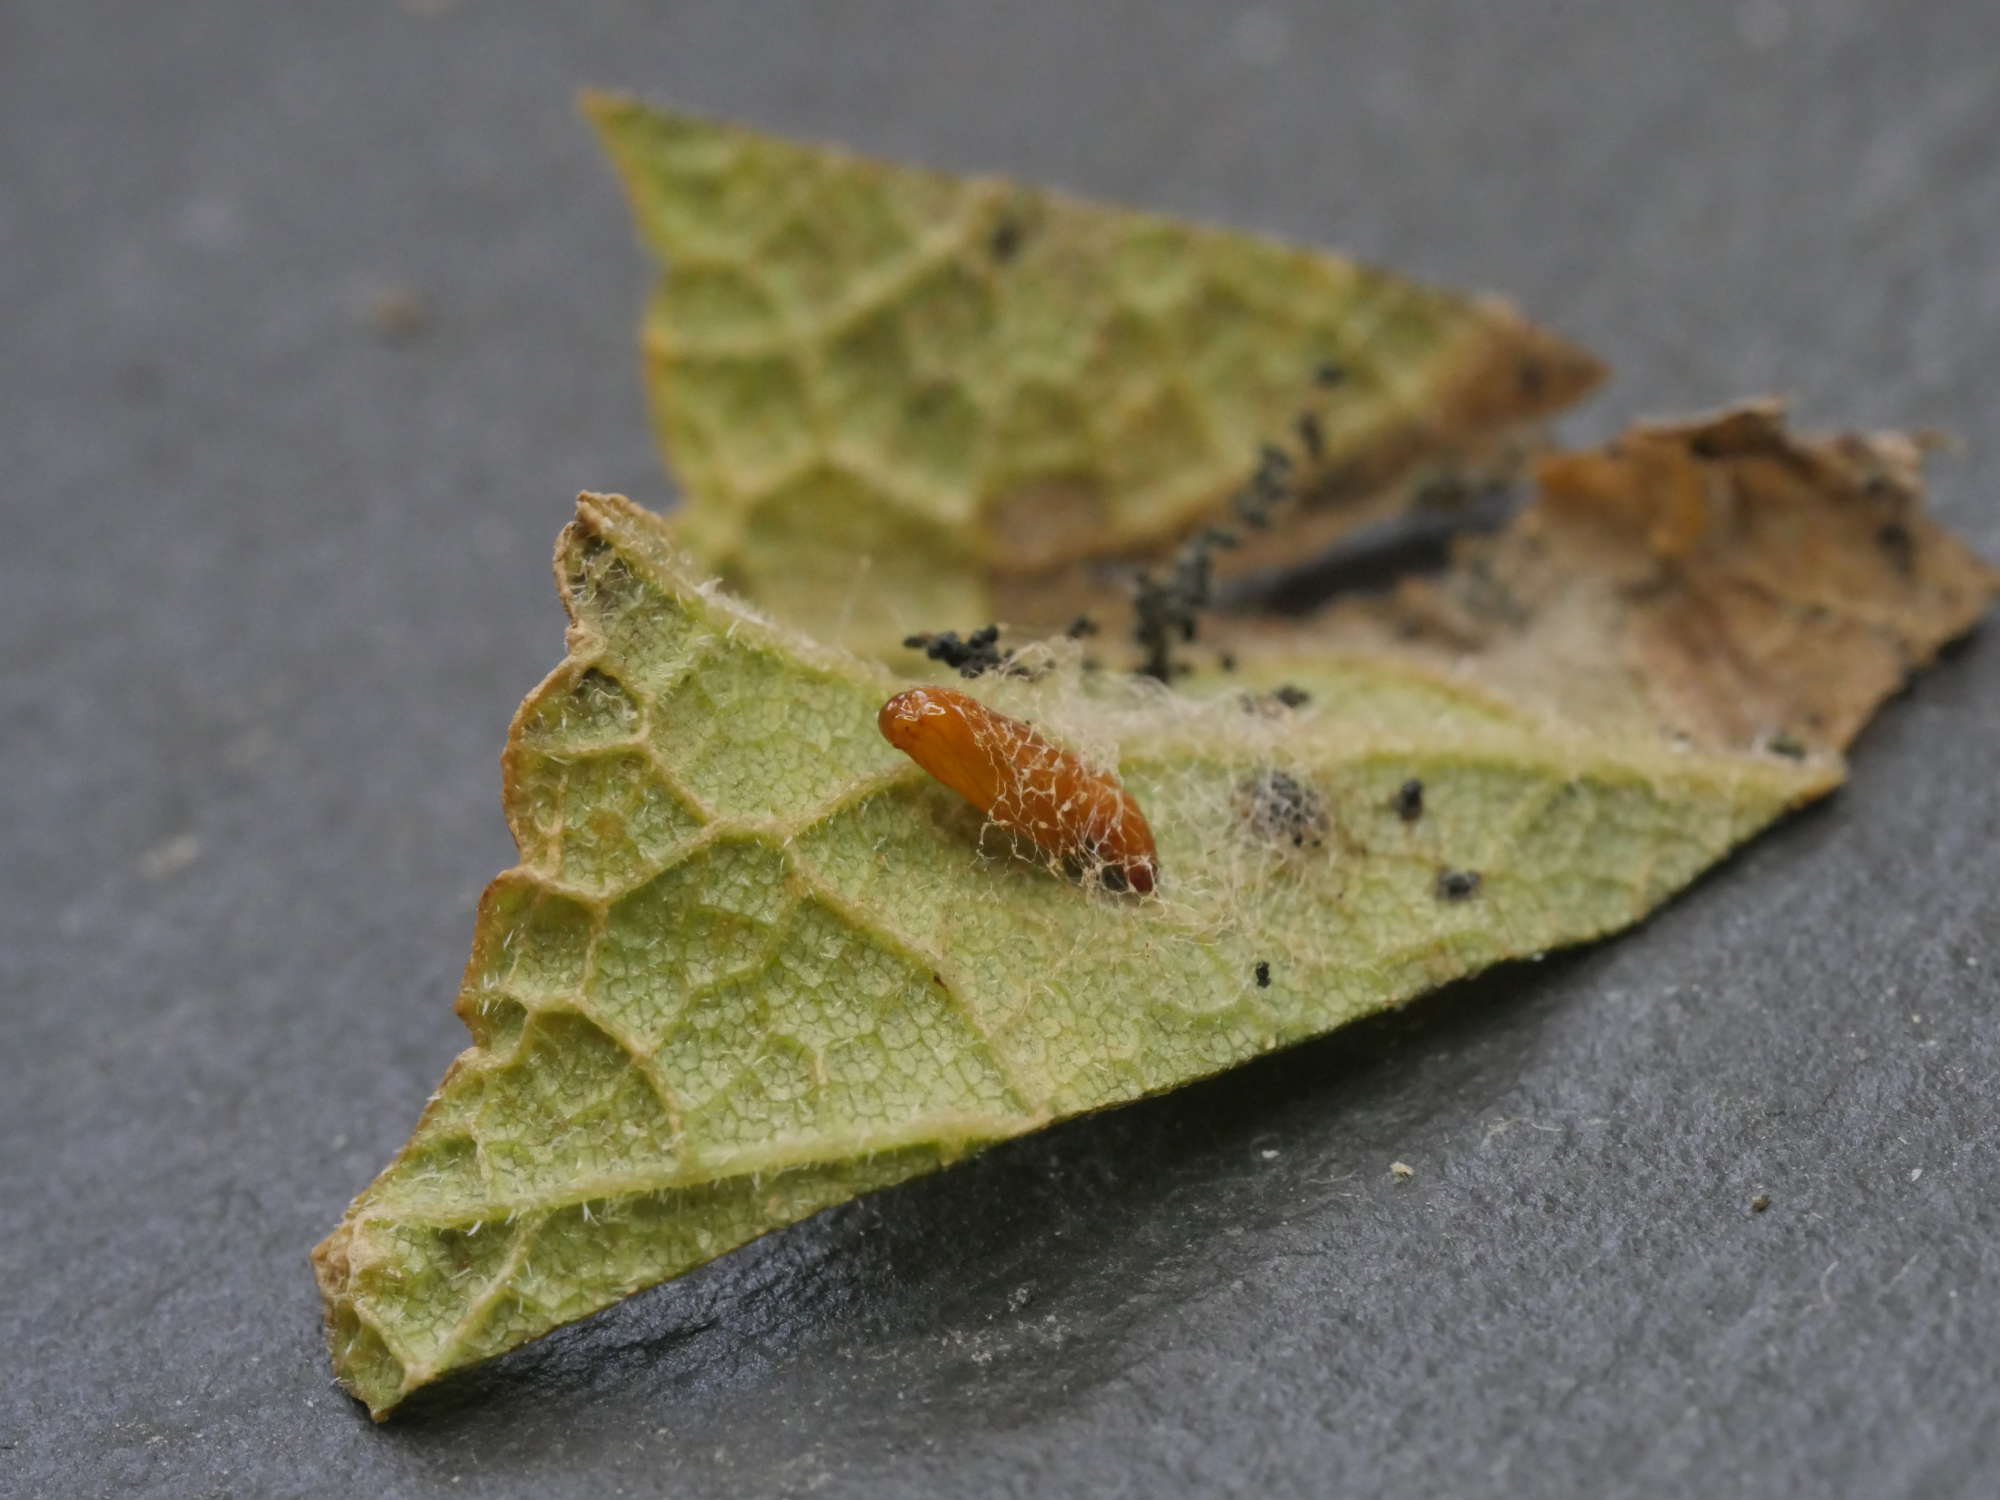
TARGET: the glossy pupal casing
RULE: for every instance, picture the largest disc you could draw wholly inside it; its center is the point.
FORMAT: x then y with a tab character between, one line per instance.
1024	783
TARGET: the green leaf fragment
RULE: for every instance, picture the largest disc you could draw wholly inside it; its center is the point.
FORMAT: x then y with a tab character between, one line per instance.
754	962
897	398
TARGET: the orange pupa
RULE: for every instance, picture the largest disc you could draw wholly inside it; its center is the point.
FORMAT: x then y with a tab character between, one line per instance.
1027	784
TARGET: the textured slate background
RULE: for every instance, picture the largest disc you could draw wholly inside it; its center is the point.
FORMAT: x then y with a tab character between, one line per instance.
270	588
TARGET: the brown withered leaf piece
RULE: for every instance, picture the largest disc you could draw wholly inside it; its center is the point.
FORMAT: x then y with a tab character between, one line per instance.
1719	581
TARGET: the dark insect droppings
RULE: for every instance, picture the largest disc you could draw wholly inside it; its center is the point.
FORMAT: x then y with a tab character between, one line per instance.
1166	606
1457	885
1410	800
1263	974
1292	697
1311	438
1006	241
1283	810
977	654
1897	545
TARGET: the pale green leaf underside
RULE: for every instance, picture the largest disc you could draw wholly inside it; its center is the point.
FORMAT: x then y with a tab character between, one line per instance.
896	398
754	962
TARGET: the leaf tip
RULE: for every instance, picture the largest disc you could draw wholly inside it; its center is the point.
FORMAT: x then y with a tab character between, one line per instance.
363	1363
606	109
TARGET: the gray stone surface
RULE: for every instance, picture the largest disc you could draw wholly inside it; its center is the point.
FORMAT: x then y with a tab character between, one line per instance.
270	588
